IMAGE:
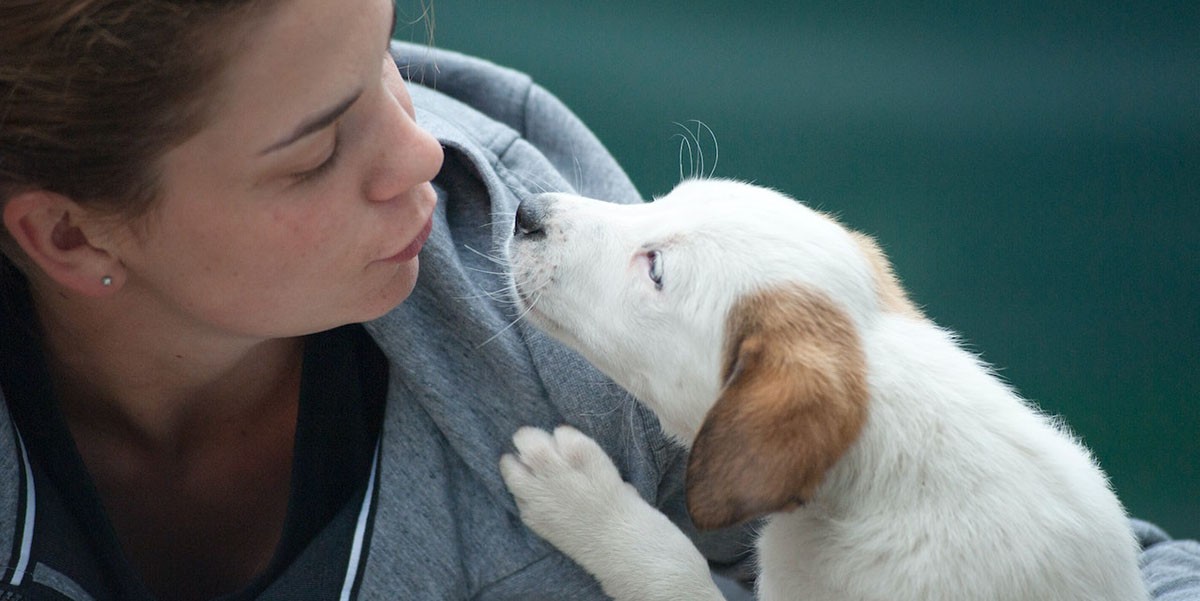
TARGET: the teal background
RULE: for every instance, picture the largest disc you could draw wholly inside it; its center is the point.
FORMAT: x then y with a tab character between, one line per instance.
1032	170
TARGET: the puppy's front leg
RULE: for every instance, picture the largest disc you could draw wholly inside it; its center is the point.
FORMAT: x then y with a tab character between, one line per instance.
569	492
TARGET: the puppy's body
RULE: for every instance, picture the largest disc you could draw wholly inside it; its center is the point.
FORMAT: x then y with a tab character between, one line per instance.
954	490
778	346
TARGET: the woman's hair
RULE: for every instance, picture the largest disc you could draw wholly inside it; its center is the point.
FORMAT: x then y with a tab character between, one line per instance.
94	92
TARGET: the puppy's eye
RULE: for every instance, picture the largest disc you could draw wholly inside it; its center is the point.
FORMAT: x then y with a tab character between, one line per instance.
656	268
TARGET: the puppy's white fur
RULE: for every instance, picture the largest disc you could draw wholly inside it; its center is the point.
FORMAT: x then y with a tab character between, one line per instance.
780	348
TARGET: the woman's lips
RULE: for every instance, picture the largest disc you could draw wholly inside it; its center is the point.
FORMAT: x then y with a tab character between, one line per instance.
414	247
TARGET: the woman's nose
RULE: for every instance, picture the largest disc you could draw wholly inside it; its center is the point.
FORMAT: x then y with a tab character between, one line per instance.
408	155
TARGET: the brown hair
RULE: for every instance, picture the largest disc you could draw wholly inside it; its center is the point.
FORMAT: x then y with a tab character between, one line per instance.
94	92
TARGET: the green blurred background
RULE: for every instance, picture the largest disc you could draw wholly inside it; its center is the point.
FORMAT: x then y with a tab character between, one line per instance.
1032	169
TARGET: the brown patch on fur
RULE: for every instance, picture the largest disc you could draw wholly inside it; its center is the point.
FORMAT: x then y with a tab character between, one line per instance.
795	399
891	295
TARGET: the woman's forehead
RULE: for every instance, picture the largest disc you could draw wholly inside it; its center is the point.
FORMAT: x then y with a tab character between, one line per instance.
300	58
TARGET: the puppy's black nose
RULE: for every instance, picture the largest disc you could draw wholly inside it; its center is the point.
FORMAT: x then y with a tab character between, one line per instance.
531	214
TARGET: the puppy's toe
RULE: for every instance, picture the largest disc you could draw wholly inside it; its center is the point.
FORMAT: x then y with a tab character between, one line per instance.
583	453
537	450
513	470
529	439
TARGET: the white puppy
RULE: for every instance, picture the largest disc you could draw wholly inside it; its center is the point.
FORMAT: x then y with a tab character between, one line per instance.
778	345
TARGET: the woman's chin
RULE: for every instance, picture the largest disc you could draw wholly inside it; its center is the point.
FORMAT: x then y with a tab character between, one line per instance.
398	288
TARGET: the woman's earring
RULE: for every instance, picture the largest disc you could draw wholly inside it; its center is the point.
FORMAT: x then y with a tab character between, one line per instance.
106	281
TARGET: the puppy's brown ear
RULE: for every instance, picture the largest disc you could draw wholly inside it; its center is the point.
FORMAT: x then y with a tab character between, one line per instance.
795	399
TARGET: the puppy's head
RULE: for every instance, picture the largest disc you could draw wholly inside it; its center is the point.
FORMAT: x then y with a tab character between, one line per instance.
731	311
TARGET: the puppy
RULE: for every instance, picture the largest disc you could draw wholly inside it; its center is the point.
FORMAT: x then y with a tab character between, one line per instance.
890	463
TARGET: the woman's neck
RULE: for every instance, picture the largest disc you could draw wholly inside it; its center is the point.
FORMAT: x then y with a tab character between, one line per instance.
188	436
150	379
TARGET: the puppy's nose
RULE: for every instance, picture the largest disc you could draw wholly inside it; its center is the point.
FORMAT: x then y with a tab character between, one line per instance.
531	215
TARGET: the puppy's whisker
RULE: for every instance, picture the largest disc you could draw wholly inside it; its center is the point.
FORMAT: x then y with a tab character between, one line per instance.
598	413
621	399
532	183
516	302
501	296
684	143
695	153
478	270
496	296
698	166
572	181
499	218
692	142
511	323
716	146
497	260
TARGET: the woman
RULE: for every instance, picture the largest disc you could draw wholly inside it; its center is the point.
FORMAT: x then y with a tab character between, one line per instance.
199	199
221	375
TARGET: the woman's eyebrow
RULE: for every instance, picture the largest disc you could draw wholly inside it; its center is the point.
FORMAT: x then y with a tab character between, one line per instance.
316	123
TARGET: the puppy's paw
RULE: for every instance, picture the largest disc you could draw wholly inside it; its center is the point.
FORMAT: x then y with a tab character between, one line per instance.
564	483
570	493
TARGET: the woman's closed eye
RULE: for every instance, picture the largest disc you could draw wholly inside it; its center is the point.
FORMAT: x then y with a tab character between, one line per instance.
327	165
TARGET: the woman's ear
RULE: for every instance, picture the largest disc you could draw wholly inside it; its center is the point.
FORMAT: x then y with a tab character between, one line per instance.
54	233
795	399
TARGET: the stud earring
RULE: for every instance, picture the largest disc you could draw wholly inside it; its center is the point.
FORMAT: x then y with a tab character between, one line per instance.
106	281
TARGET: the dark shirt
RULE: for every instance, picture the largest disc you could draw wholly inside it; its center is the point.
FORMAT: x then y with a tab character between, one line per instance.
342	393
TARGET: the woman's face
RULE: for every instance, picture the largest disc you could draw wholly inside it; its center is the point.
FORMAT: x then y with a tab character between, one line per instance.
303	202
